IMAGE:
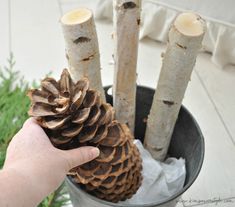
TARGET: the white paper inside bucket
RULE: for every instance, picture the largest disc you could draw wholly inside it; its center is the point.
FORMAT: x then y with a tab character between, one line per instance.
160	180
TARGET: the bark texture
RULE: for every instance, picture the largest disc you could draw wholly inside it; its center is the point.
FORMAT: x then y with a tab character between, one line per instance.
185	39
126	37
82	50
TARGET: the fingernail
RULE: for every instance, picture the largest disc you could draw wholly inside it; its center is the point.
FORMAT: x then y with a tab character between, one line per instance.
95	152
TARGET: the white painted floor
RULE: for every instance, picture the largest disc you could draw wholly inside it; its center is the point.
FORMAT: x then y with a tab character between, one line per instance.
31	30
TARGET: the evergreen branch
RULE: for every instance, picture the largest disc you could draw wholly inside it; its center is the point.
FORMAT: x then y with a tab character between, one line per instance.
57	199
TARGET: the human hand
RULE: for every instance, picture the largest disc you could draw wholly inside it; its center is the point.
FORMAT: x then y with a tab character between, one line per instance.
32	156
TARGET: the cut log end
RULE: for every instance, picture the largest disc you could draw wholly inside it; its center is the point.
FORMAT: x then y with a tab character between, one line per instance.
77	16
190	24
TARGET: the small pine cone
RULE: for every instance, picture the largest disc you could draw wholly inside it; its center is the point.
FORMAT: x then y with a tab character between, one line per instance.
73	115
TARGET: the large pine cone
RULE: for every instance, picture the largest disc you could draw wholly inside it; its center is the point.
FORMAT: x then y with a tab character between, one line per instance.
73	115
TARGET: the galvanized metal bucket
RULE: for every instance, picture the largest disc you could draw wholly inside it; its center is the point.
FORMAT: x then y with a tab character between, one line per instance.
187	142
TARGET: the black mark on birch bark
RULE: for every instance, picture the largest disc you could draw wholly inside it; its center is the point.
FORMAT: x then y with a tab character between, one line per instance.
169	103
67	56
88	58
138	21
155	148
129	5
181	46
81	40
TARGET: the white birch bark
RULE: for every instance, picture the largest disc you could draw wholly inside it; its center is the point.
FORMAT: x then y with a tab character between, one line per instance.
185	39
82	50
126	37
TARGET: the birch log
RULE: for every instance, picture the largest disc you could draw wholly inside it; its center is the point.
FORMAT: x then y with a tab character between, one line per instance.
185	37
82	50
126	36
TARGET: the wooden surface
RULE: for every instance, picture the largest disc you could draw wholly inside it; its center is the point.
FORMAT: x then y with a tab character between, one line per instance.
32	31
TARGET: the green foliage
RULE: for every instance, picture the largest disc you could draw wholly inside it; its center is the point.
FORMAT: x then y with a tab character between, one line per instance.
14	105
57	199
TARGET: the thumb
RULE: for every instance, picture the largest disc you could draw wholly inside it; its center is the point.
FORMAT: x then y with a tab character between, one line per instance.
79	156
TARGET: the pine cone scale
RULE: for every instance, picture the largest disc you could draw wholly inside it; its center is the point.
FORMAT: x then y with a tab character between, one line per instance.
81	116
100	134
65	84
93	116
50	85
106	154
41	109
72	131
88	133
58	142
54	123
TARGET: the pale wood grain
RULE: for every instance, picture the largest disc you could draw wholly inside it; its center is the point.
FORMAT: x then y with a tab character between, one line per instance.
216	179
219	84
